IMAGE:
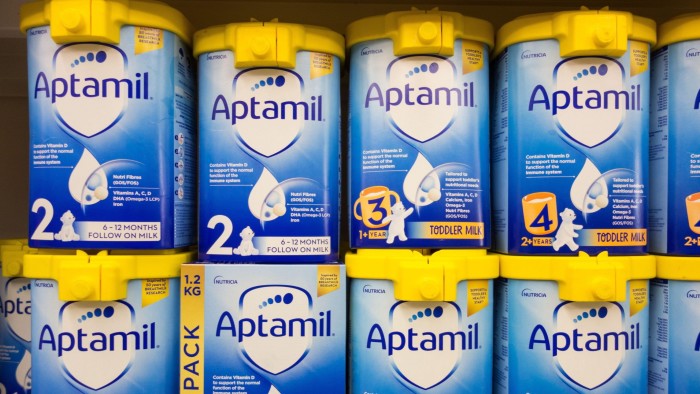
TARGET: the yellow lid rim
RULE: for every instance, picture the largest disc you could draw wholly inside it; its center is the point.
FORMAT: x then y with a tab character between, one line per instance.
387	27
141	13
309	38
546	26
685	268
685	27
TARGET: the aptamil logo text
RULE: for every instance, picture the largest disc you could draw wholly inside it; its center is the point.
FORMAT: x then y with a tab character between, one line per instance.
274	326
697	100
590	342
426	341
90	86
410	95
588	100
421	95
83	341
269	109
101	332
420	334
585	334
16	307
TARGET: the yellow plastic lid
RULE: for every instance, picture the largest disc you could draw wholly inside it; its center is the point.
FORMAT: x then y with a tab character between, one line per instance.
104	276
583	277
101	20
678	268
684	27
418	32
422	278
580	33
268	44
12	252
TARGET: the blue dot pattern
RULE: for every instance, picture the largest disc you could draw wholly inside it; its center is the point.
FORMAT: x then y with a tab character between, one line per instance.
107	312
24	288
285	299
278	81
423	68
99	57
427	312
601	313
592	70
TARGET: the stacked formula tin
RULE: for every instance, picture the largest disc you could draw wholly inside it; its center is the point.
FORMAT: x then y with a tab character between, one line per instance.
421	319
674	216
269	122
569	142
111	96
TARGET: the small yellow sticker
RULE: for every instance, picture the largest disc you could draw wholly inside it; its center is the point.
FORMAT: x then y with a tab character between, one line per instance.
639	57
192	328
472	56
147	39
477	296
321	64
154	290
639	296
328	279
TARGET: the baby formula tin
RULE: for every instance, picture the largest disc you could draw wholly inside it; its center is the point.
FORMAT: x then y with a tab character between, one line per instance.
105	323
111	108
572	324
263	329
674	343
269	118
421	323
419	105
674	225
569	138
15	320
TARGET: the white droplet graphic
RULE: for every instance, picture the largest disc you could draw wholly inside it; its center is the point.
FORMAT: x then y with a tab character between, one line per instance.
23	373
425	369
278	117
88	182
420	116
421	186
97	369
19	322
277	353
589	192
266	200
590	126
97	69
590	369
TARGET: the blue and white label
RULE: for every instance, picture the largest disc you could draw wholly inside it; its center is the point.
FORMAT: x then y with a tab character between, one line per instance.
15	335
548	342
268	329
675	151
674	350
269	147
104	346
393	342
568	142
419	152
101	118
